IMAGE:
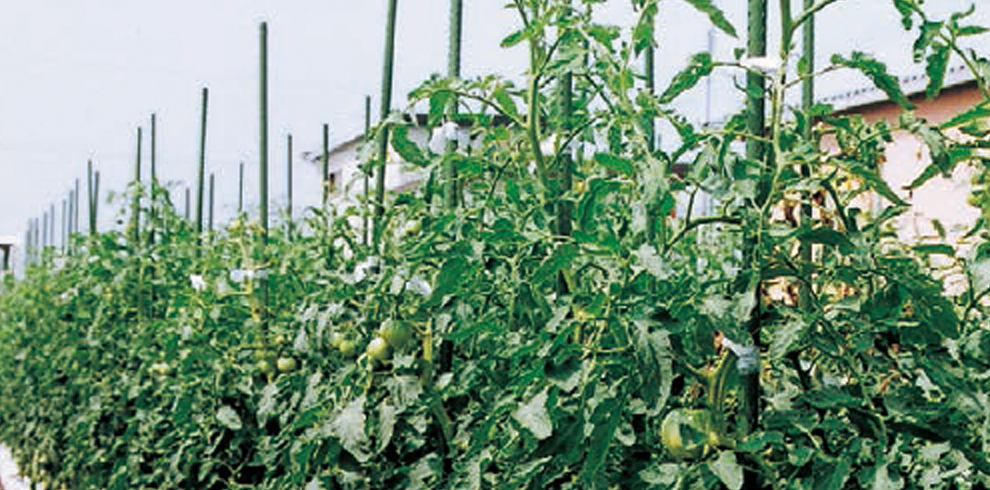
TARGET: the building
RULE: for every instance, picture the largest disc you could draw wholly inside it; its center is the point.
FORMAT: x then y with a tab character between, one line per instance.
942	199
7	244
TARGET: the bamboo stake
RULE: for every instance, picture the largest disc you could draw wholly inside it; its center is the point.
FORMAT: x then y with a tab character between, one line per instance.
386	107
153	186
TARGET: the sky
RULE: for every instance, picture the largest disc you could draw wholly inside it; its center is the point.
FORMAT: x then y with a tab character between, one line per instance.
78	77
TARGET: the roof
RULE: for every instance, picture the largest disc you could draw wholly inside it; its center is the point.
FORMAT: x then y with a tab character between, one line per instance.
910	85
6	240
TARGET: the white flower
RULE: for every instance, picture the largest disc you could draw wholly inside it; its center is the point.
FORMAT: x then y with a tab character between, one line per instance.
763	64
198	283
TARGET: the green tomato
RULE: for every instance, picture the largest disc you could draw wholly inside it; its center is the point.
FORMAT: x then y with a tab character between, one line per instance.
377	349
160	368
263	366
336	339
348	348
396	333
286	364
685	432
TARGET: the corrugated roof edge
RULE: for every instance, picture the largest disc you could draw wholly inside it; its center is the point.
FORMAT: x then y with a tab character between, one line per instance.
911	85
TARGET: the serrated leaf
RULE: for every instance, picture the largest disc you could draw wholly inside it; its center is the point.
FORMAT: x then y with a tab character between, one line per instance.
938	64
700	66
534	417
828	236
505	102
606	419
715	15
409	151
616	163
875	182
228	418
513	39
976	113
348	426
560	260
939	249
906	9
876	71
728	470
266	406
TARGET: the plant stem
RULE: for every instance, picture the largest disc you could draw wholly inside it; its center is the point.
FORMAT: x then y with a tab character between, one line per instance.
365	226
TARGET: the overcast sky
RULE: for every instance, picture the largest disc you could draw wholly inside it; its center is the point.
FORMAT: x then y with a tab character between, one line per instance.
77	77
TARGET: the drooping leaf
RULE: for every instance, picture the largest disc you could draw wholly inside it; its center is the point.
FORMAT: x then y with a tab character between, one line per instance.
877	72
828	236
700	66
616	163
715	15
228	418
906	9
728	470
606	420
409	151
938	64
534	417
978	112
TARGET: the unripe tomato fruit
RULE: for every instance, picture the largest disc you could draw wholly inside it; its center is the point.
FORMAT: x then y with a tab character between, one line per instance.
684	432
396	333
286	364
264	367
377	349
160	368
348	348
336	339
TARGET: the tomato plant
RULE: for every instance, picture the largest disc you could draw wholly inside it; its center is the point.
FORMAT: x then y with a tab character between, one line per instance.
558	329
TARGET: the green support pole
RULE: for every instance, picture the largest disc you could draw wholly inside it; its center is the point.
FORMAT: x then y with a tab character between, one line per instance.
289	183
652	214
240	188
201	169
453	71
44	232
325	165
263	161
188	206
68	218
213	190
51	226
75	208
63	229
808	85
755	151
153	180
93	191
566	171
386	107
136	204
366	223
263	136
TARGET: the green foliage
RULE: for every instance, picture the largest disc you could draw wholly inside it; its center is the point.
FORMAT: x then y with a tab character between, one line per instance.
506	355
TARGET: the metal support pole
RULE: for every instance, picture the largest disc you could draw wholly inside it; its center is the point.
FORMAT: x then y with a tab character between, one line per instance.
263	136
136	204
213	190
240	188
289	185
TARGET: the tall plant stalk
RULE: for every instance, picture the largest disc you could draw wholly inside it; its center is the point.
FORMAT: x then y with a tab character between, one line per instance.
366	222
325	164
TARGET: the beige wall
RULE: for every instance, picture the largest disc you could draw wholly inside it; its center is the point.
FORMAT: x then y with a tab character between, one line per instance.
941	198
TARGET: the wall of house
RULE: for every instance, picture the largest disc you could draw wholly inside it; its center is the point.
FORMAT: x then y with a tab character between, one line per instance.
941	198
